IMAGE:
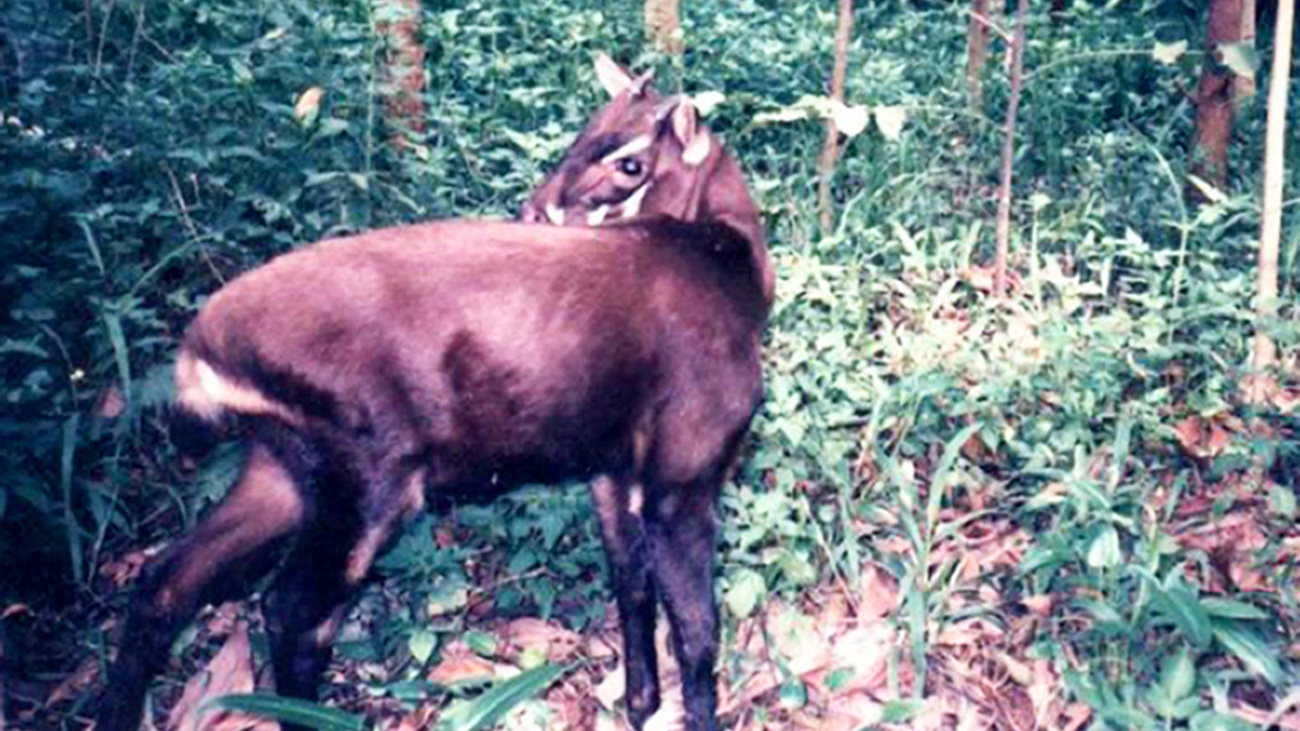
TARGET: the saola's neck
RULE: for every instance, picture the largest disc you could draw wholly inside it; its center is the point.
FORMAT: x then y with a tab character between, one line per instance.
722	196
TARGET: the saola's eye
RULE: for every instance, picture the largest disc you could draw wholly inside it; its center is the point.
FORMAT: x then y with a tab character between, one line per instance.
630	166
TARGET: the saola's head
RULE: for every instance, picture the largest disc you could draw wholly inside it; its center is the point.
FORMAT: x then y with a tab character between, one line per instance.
646	155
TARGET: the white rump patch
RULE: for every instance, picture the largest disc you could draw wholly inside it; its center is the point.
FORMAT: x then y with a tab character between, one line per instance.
637	144
555	214
207	394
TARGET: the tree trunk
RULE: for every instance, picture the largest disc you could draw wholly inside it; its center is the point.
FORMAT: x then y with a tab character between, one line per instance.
830	148
1017	50
1243	87
404	78
977	40
1271	216
663	25
1214	110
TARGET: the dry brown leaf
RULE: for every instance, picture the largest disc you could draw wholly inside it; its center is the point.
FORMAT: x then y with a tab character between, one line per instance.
1261	717
74	684
865	651
1287	400
969	632
612	687
1075	716
1044	692
877	594
111	403
460	665
230	671
797	639
529	632
852	713
1258	389
124	570
1039	604
418	720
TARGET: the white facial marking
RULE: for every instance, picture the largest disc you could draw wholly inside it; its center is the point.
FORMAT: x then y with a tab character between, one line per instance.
597	216
638	144
632	205
555	214
635	500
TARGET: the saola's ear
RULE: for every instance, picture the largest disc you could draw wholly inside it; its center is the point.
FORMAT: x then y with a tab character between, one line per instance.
616	79
686	128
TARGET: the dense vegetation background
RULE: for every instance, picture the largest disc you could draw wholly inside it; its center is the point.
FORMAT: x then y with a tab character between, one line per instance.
1052	509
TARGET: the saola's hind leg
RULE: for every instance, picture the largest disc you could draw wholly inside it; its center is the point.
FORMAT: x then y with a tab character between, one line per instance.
353	519
233	546
681	528
619	504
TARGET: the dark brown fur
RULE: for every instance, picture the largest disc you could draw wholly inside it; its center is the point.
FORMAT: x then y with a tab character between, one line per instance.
374	371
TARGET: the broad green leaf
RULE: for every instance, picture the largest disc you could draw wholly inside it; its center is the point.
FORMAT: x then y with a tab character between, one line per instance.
482	643
850	120
1103	612
1216	721
1232	609
1281	502
1103	548
1240	58
902	711
1177	681
421	645
1168	53
290	710
745	588
707	101
1180	605
793	694
890	121
1249	647
490	707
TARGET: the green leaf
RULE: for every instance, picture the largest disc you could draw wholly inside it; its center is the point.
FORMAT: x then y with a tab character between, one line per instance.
1250	648
890	121
490	707
1215	721
1182	607
793	694
1281	502
901	711
1168	53
1103	548
707	101
1177	681
290	710
1240	58
421	645
850	120
1232	609
745	588
482	643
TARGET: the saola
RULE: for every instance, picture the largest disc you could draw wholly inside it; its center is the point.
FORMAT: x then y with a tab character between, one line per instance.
370	373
